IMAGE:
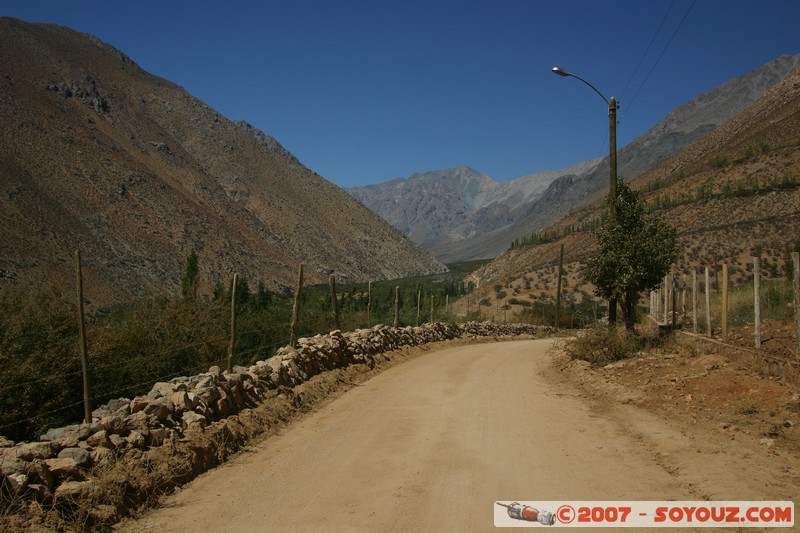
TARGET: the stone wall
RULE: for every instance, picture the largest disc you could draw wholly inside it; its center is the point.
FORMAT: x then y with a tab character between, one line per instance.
57	468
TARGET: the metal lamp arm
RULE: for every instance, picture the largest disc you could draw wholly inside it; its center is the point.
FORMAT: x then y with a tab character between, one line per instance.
564	73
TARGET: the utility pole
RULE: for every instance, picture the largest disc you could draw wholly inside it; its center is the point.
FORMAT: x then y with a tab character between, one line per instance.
612	161
87	404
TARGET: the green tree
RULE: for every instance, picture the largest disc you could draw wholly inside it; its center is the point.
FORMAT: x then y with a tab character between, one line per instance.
189	281
637	250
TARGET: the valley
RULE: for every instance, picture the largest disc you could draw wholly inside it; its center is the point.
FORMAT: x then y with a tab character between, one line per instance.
382	354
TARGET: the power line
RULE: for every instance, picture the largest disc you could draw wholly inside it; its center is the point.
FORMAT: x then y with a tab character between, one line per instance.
150	356
605	140
647	50
34	417
633	99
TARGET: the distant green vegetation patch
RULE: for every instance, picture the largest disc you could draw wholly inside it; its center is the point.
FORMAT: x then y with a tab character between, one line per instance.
544	237
749	187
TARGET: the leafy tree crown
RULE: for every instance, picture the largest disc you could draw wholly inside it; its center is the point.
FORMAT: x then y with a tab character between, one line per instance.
636	248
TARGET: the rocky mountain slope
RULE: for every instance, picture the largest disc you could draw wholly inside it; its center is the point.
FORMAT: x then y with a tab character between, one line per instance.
442	207
732	194
427	206
98	155
565	189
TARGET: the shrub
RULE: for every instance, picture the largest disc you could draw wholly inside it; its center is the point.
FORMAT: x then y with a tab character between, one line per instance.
719	161
38	354
601	345
523	303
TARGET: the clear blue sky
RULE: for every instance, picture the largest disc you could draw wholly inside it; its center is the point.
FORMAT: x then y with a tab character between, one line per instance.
367	91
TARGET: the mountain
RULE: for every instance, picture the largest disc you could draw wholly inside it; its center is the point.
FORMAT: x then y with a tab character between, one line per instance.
488	236
731	194
428	206
441	207
98	155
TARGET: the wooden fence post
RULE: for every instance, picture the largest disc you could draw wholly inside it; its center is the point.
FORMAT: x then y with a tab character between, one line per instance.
674	302
683	298
666	299
694	300
296	307
656	308
396	306
657	301
337	322
369	304
796	261
232	345
757	299
432	308
654	305
709	329
725	301
419	299
87	404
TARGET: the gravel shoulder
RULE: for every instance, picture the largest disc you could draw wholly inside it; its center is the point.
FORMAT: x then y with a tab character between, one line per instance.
729	431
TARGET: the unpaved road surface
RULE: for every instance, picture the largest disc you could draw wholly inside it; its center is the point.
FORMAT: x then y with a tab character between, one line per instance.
431	444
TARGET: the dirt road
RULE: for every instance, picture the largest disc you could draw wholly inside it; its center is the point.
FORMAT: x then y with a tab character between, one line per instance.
431	444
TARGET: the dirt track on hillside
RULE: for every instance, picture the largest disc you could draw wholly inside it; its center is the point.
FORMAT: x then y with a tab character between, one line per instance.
431	444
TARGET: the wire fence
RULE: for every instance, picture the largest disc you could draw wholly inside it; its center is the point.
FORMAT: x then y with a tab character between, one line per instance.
170	337
705	303
163	338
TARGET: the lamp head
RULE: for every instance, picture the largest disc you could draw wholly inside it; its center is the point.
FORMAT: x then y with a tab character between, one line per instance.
561	72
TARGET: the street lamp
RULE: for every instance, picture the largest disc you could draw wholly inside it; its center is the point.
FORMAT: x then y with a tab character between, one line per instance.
612	133
612	159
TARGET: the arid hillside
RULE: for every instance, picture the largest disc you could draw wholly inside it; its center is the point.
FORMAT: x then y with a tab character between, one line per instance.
731	194
98	155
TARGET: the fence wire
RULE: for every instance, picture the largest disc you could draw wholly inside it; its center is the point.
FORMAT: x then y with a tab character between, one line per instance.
122	347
